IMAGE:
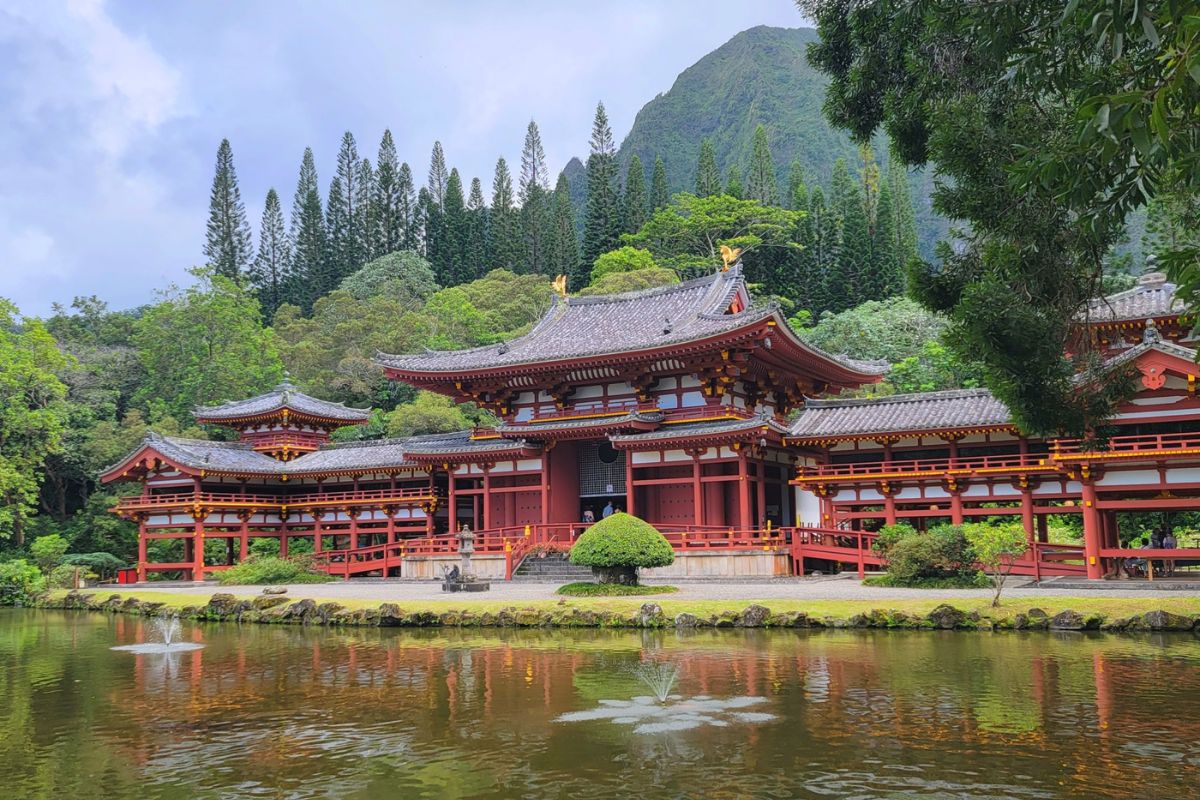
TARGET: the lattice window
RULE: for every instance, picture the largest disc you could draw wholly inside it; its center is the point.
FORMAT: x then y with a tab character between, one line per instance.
601	470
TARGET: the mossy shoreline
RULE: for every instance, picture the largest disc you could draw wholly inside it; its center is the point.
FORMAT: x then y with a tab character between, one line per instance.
278	609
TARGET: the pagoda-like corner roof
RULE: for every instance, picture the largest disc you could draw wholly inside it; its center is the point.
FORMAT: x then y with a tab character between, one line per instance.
284	396
1153	298
823	420
614	325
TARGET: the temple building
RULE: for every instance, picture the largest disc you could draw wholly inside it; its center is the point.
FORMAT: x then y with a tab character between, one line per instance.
689	406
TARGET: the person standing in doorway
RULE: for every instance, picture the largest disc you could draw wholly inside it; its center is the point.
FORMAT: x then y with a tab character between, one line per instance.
607	510
1169	542
589	516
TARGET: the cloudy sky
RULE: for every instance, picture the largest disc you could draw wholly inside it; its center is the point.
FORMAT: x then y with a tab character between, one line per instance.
111	112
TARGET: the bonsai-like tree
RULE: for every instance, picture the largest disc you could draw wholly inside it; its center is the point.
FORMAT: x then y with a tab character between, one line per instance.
617	546
48	551
996	548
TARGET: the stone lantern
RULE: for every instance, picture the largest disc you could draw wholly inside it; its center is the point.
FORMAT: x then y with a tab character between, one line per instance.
466	546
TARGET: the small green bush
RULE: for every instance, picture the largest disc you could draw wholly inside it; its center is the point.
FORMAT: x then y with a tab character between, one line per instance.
63	576
976	581
268	569
105	565
20	582
48	551
889	535
584	589
943	552
617	546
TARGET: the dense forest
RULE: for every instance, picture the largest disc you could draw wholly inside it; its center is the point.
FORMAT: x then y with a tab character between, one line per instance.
378	259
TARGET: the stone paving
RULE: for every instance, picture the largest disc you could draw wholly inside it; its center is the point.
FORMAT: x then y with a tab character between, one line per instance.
829	588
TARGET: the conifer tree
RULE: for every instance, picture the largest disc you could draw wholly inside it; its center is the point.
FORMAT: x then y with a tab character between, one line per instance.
426	219
633	205
733	181
344	220
760	183
310	276
903	214
227	244
660	195
885	255
601	222
535	204
271	268
708	176
505	222
847	287
477	232
456	269
564	248
438	176
406	208
387	205
824	248
796	187
364	212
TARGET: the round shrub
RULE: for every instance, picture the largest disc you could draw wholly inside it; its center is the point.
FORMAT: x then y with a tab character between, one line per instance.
943	552
617	546
20	582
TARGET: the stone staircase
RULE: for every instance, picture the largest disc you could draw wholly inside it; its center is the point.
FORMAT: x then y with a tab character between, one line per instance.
554	568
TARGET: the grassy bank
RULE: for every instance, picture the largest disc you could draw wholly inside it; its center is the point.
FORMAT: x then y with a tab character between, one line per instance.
1063	613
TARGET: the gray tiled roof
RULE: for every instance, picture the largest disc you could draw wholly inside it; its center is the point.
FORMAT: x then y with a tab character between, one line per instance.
1133	353
285	395
599	325
1152	297
459	442
685	430
957	408
380	453
217	456
532	427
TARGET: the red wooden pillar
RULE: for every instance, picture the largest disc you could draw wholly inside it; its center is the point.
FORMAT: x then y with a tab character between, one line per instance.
697	490
760	514
546	487
317	544
889	504
1091	532
1043	528
353	514
198	546
244	537
1027	512
451	500
141	565
487	496
743	491
630	490
390	513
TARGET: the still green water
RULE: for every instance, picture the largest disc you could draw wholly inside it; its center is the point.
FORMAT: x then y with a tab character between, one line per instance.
282	712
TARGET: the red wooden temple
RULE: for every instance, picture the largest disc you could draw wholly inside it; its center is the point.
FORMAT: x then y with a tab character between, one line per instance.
689	406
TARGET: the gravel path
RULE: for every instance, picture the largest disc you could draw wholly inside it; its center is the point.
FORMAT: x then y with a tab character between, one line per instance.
804	589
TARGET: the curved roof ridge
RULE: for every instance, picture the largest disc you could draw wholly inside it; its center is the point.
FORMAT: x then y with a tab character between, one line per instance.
282	395
638	294
907	397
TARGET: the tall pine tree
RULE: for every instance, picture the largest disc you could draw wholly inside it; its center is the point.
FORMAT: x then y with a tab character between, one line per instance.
760	183
903	214
270	271
825	251
796	187
345	235
888	267
505	221
406	209
660	195
438	176
733	181
633	205
310	276
535	204
227	244
364	212
457	232
708	176
602	217
845	287
388	204
477	252
564	247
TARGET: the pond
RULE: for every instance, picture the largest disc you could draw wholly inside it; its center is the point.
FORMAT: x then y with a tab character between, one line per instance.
280	712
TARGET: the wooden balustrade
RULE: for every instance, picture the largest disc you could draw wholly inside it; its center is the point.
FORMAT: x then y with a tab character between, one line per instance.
276	502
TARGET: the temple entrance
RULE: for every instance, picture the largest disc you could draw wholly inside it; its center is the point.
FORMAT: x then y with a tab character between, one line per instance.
601	470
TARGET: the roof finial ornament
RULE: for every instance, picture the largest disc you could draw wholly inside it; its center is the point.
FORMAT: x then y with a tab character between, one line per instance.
560	286
1151	334
729	255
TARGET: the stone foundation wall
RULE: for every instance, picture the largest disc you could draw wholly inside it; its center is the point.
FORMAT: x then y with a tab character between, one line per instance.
715	565
430	567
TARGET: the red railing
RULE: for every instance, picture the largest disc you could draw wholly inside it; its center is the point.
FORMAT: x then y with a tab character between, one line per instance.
1121	445
1017	461
271	441
275	501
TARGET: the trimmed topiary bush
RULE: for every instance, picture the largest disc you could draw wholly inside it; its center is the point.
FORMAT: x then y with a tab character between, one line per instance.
269	569
617	546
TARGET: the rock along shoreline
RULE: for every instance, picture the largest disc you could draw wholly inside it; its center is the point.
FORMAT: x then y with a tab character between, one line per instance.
277	609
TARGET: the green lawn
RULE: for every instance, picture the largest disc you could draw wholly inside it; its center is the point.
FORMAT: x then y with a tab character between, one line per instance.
1110	607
